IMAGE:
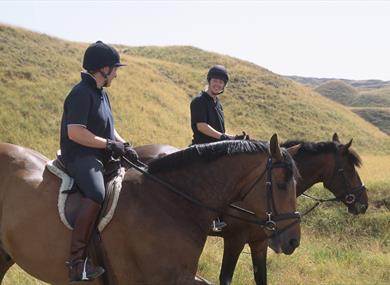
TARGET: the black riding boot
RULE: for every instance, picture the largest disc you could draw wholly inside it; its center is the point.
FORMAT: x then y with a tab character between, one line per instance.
80	268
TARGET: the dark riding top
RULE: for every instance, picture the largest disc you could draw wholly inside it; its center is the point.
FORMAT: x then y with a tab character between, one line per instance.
205	110
88	106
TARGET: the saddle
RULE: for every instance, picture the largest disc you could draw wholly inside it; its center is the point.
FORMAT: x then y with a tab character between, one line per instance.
69	196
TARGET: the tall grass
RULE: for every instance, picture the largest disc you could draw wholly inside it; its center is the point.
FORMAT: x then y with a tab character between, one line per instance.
151	99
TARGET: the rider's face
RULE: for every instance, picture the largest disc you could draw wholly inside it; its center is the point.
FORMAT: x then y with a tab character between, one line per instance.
216	86
111	76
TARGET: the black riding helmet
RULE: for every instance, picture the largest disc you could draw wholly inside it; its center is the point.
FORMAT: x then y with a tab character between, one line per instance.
99	55
218	72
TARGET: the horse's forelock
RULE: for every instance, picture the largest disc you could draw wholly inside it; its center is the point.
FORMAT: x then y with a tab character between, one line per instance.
354	157
294	168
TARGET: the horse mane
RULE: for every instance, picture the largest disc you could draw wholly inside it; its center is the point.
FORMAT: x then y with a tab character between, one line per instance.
205	152
321	148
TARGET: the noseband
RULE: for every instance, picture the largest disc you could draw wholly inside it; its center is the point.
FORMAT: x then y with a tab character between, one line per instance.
271	213
269	223
351	193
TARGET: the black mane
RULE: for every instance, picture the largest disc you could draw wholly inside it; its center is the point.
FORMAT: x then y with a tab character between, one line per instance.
205	152
321	148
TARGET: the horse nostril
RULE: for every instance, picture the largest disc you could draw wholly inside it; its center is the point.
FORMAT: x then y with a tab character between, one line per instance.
294	243
364	208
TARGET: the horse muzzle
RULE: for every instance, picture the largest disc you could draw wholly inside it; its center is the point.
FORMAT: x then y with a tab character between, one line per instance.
357	208
283	244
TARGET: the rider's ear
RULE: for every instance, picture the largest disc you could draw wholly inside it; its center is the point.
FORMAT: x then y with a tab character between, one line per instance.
335	138
294	149
274	147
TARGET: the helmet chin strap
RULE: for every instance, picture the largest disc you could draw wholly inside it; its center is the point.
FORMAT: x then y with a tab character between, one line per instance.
105	75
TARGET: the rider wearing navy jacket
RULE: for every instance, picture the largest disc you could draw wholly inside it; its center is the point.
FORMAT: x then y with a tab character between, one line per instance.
88	140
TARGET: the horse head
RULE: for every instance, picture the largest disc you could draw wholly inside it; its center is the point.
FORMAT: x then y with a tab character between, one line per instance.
282	223
345	182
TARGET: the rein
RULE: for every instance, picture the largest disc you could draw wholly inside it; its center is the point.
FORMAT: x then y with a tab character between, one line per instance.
269	223
349	196
353	192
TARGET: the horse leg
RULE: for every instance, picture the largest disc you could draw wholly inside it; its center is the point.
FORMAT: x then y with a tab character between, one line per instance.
5	263
259	261
231	252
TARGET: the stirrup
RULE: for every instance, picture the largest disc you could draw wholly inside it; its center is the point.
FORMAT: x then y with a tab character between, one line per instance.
218	225
84	275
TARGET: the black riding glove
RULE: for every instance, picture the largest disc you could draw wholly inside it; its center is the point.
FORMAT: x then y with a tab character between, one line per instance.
130	153
117	148
224	137
244	136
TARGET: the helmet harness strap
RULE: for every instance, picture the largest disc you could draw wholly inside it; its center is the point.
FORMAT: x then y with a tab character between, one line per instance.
105	75
223	89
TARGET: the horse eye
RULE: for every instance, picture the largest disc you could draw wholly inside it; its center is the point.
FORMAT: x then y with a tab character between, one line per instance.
282	186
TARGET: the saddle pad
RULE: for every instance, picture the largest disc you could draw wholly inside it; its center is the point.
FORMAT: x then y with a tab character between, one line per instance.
68	203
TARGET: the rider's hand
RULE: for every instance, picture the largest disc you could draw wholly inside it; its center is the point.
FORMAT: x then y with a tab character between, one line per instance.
117	148
244	136
130	153
225	137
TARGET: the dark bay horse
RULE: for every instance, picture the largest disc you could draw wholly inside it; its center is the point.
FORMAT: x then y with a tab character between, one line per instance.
156	236
331	163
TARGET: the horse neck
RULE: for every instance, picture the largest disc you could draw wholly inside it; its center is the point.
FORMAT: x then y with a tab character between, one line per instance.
313	168
216	183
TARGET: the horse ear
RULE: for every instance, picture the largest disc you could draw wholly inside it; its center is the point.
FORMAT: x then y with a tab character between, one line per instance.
347	146
294	149
274	147
335	138
344	148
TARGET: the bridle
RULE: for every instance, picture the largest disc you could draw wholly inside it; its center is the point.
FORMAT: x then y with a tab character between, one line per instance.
349	196
352	192
272	216
271	213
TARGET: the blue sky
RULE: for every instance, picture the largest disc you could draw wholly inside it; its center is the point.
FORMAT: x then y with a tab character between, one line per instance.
341	39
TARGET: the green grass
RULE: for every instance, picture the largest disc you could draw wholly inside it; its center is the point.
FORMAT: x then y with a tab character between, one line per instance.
336	247
151	96
370	101
377	97
379	117
338	91
151	99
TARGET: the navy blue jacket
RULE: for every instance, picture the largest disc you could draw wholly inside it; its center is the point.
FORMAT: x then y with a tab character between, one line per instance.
88	106
205	110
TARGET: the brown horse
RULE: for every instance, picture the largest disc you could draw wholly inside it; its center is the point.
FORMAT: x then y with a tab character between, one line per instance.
331	163
156	236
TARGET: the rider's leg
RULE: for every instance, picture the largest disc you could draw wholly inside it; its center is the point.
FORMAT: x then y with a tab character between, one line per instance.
88	175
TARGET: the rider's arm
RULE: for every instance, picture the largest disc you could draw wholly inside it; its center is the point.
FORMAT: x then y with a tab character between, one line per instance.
208	130
81	135
118	137
199	119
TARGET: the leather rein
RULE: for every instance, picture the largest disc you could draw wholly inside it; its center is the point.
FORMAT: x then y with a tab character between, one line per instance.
269	223
350	195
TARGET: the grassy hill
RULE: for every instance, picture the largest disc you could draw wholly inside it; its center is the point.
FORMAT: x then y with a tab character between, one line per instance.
151	96
377	97
315	82
377	116
338	91
372	104
151	99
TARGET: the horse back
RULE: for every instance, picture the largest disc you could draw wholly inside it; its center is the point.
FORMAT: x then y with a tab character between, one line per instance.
22	170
